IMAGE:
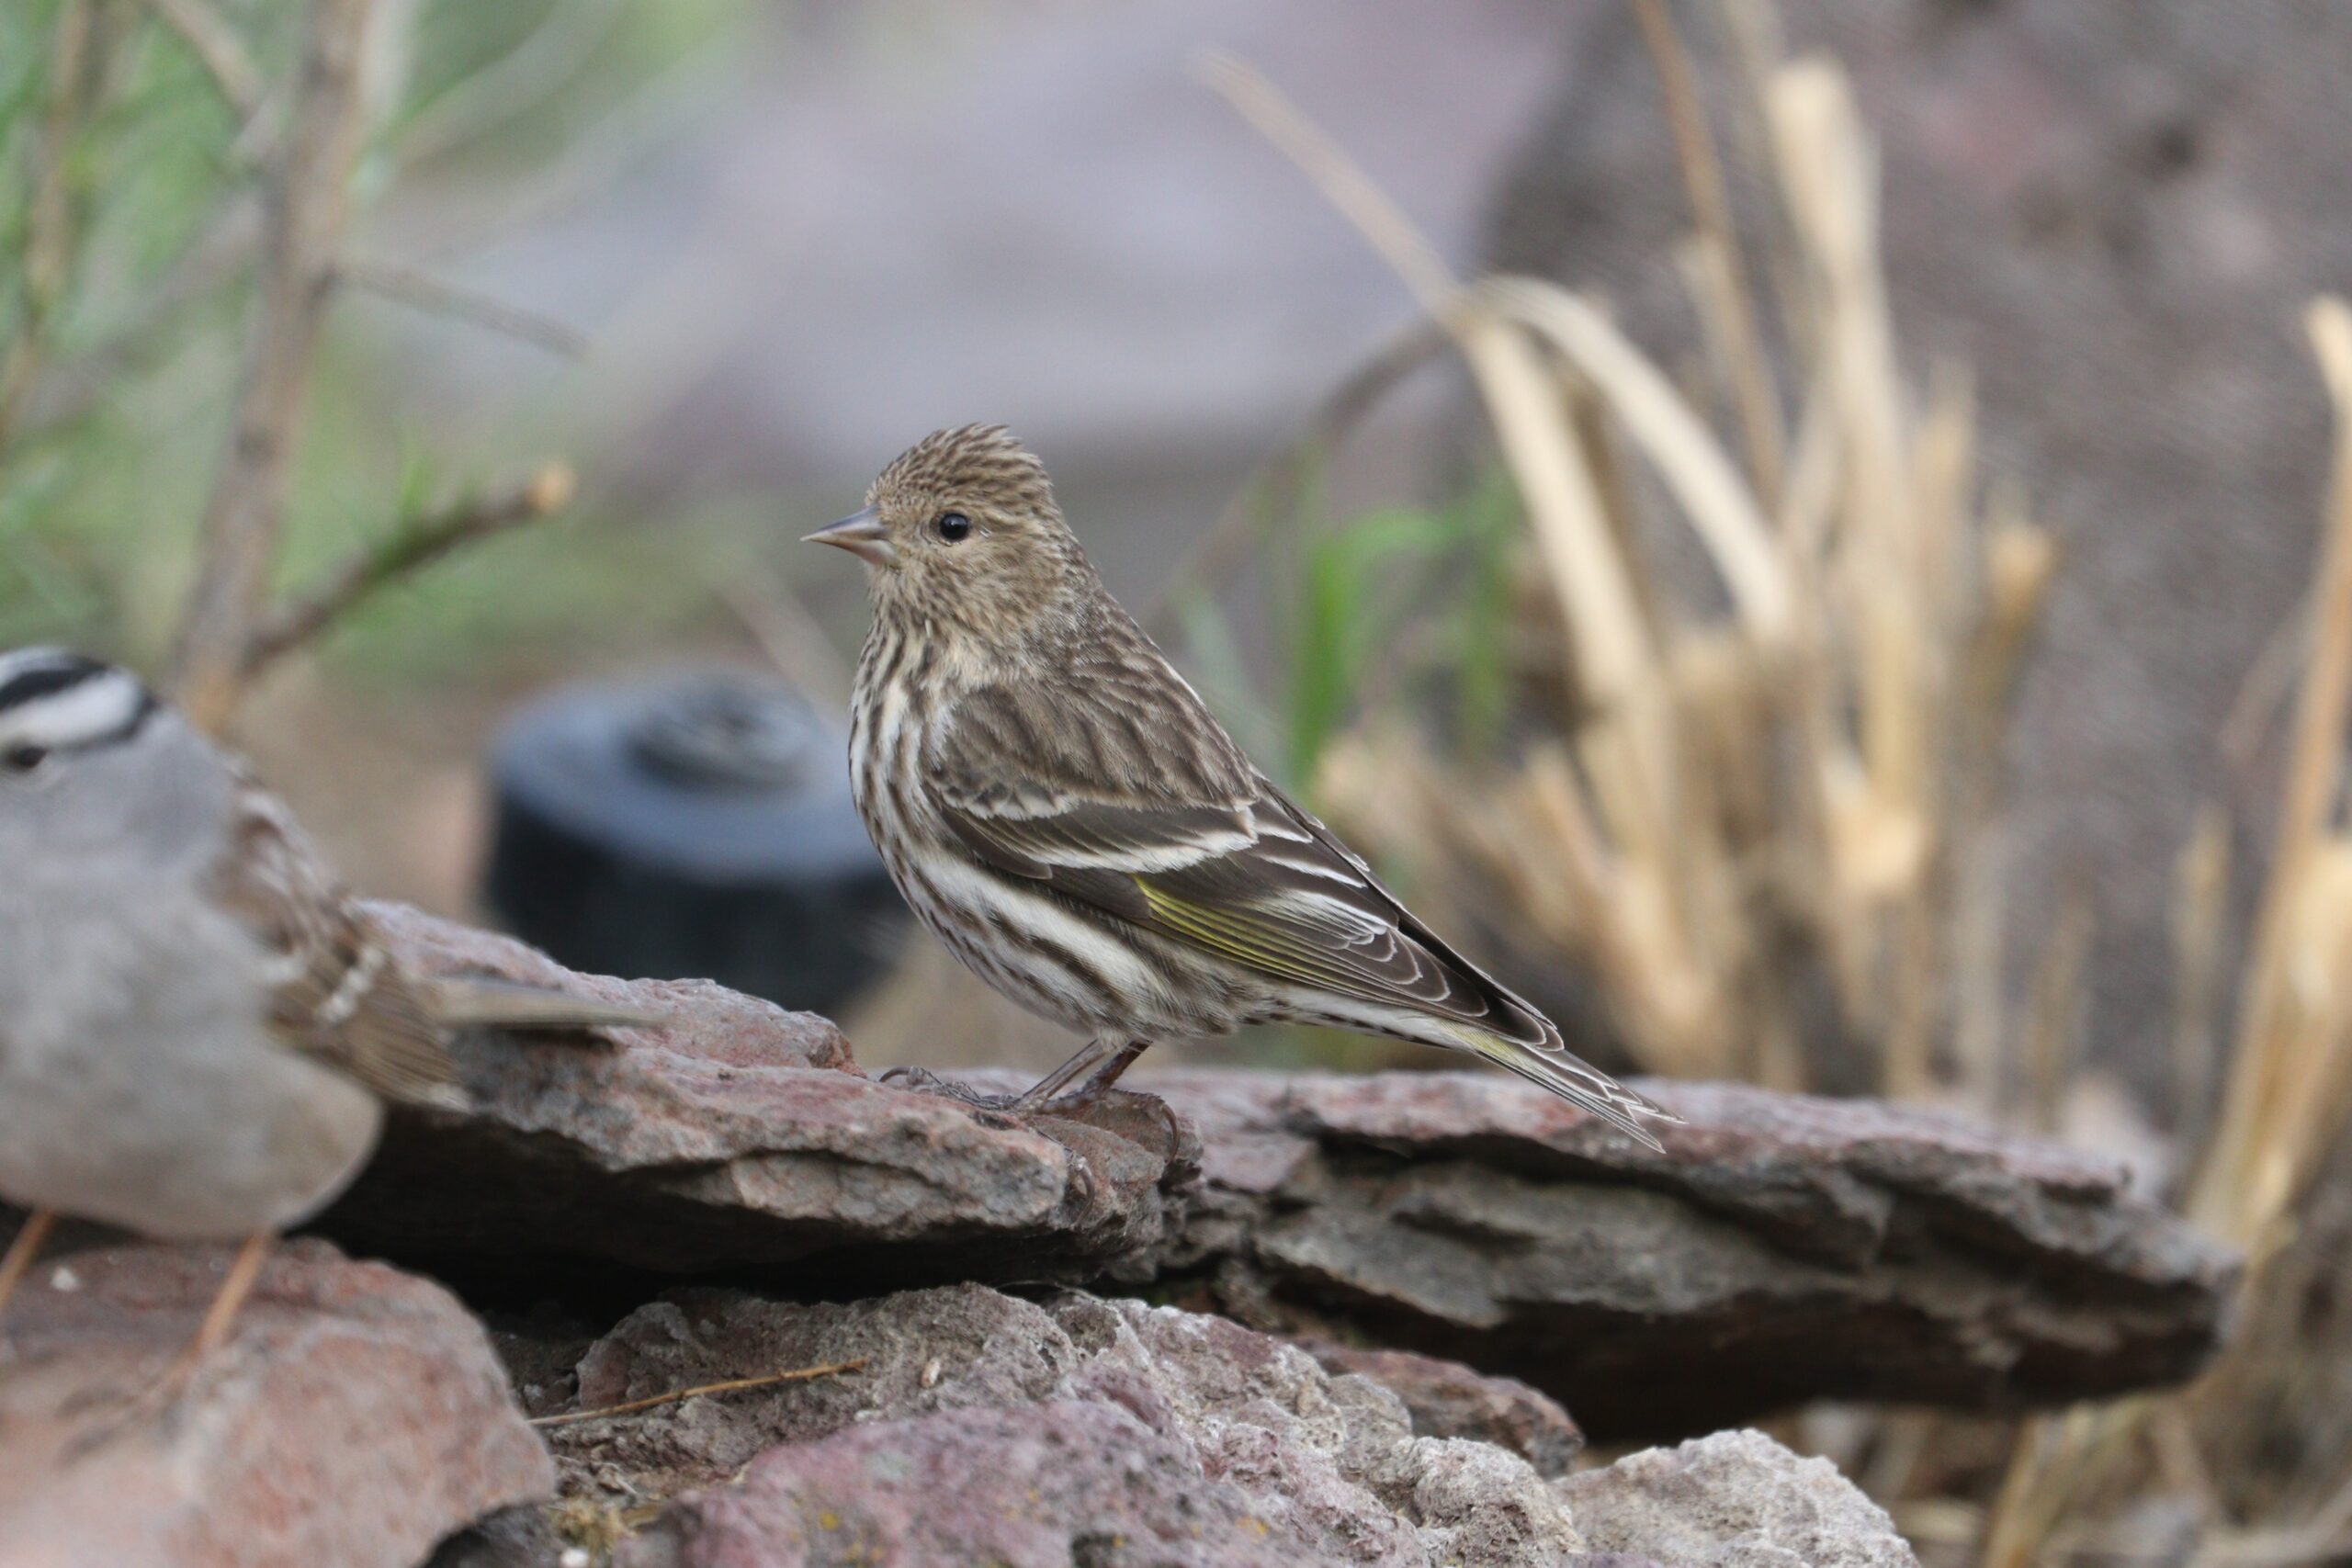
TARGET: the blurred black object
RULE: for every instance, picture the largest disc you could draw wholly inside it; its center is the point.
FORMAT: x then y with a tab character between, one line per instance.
695	825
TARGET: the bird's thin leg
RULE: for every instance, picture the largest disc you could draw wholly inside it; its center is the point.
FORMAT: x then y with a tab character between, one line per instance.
1051	1086
245	1270
19	1261
1109	1072
159	1399
1107	1060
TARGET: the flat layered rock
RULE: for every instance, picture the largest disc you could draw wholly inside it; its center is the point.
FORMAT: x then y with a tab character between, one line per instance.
356	1417
1779	1248
736	1137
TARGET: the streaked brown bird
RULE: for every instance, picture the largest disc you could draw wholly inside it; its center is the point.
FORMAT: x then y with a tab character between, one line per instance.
1060	806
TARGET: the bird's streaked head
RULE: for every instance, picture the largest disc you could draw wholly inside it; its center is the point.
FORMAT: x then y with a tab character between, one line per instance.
96	773
962	529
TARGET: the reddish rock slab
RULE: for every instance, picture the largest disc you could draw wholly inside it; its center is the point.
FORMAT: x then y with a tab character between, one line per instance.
356	1417
1779	1248
736	1136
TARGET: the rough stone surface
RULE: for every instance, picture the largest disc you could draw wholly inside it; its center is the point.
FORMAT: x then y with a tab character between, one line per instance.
1808	1248
1734	1500
987	1428
1447	1399
356	1417
1039	1487
1078	1430
737	1136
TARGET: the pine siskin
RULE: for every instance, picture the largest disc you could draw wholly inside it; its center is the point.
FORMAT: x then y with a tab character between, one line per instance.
1058	805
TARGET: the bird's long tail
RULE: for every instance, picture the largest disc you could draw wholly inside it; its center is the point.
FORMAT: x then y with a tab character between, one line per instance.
1550	1067
458	1000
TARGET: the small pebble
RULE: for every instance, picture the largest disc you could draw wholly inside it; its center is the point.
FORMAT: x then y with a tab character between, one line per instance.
930	1377
574	1557
64	1279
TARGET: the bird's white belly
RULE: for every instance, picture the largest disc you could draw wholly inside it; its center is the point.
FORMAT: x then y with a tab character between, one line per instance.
138	1088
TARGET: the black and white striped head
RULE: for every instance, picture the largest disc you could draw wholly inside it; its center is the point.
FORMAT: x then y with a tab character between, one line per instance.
59	707
99	779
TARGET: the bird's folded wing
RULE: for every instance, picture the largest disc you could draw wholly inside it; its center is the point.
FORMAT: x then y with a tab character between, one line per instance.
1207	852
336	993
1254	879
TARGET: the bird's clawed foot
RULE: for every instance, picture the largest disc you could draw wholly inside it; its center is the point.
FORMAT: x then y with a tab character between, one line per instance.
1094	1070
922	1080
1141	1118
1072	1104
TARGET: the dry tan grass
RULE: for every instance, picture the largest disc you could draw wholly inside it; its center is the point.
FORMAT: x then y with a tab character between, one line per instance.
1734	788
1794	772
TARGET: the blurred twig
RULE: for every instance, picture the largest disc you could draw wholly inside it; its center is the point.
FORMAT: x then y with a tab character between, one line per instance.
2262	695
1270	492
730	1386
1724	273
1722	510
2230	1193
69	388
2201	911
407	550
775	618
305	202
218	49
432	294
51	226
551	54
1342	183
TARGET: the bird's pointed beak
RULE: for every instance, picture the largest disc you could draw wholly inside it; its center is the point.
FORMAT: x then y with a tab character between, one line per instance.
861	534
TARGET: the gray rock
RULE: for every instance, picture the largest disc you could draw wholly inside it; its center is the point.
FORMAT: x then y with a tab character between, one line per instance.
1045	1486
1809	1248
1734	1500
737	1135
1447	1399
356	1417
985	1429
1080	1430
516	1537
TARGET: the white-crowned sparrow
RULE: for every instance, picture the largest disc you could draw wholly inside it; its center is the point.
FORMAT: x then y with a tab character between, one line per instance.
198	1029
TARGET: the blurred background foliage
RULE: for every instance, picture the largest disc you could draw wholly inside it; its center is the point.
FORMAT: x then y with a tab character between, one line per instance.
132	192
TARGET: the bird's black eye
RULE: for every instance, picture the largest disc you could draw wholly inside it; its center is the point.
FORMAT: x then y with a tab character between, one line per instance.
24	757
953	526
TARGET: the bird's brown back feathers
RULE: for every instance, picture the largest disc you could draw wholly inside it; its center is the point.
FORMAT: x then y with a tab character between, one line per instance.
338	994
